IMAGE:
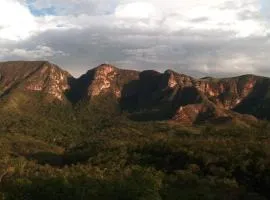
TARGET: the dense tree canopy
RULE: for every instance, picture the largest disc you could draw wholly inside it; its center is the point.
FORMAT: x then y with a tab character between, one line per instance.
92	152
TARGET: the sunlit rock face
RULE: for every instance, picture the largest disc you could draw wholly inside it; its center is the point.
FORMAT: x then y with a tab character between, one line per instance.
51	80
196	113
169	95
188	114
172	79
103	81
223	93
39	76
227	93
170	92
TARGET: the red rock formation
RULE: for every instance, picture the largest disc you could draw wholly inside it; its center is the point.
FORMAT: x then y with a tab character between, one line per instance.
171	95
36	77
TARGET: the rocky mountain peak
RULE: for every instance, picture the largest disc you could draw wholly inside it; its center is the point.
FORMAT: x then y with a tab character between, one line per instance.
168	95
34	76
170	79
51	80
102	80
105	68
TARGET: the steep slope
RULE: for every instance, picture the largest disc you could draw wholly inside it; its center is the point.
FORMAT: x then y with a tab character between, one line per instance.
151	95
22	82
34	76
102	80
210	99
189	100
257	102
147	95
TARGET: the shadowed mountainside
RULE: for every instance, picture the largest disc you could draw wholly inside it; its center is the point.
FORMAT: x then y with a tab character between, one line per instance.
148	95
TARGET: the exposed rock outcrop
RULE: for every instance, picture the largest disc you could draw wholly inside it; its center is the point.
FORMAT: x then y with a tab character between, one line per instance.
167	95
41	76
102	80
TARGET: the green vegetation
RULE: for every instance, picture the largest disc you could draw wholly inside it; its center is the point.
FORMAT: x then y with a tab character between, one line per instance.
93	152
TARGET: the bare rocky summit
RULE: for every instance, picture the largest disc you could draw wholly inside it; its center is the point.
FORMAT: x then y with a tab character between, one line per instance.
147	94
39	76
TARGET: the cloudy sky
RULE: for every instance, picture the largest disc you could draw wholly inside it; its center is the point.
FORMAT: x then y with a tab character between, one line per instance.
196	37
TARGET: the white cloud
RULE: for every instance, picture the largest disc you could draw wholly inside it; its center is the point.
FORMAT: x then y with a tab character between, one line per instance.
192	36
138	10
156	15
175	15
40	52
16	21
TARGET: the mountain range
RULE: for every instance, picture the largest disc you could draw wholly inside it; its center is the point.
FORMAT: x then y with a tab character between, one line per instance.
144	95
124	134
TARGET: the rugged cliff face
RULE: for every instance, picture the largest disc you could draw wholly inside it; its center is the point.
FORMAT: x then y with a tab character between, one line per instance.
148	95
229	92
109	79
189	100
203	99
42	77
102	80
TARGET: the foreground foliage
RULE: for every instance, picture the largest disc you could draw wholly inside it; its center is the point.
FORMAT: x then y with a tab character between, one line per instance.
92	152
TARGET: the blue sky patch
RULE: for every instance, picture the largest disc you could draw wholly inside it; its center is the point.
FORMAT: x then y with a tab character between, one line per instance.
40	12
265	7
43	12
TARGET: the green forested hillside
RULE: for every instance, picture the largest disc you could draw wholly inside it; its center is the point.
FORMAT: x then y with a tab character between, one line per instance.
90	151
118	134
